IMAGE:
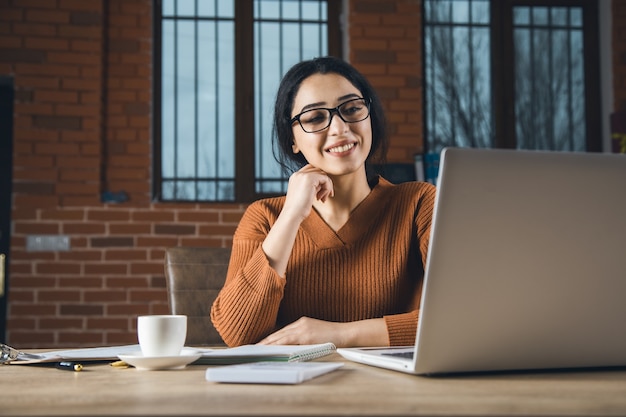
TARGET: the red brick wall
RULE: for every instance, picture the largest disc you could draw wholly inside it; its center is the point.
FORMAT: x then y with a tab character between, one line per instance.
83	77
385	45
127	109
619	55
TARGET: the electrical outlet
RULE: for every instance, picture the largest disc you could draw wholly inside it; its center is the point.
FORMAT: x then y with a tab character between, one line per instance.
42	243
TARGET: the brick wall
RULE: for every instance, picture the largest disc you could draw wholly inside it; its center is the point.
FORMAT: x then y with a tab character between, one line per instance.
82	73
385	44
619	55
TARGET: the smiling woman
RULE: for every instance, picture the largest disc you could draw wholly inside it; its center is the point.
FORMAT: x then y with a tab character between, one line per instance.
314	265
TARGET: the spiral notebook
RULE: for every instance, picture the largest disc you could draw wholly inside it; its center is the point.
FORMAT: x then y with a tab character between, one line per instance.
265	353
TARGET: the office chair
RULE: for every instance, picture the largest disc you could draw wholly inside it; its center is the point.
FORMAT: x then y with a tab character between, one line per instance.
194	278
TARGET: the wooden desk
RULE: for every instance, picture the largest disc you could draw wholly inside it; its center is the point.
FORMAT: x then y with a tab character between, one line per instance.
353	390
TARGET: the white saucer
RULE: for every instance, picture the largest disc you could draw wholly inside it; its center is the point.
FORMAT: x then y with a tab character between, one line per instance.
151	363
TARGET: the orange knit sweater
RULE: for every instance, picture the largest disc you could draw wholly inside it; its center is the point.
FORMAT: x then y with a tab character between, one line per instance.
372	267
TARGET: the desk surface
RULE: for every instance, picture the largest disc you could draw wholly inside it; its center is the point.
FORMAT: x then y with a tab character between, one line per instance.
355	389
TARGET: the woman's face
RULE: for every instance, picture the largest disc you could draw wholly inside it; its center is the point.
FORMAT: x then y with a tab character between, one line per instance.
341	148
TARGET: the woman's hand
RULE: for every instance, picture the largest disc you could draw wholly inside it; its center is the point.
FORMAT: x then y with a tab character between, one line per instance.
306	331
305	187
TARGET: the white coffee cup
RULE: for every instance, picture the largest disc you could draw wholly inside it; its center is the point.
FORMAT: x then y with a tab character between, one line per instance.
161	335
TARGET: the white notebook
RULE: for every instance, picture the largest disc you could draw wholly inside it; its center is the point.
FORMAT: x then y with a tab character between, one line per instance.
270	372
263	353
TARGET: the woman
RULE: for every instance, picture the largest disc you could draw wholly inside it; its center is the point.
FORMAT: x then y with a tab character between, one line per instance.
340	258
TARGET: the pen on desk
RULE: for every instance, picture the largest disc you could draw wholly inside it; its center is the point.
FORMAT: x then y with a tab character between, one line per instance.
119	364
70	366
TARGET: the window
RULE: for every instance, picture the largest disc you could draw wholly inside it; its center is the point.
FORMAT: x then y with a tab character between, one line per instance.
512	74
217	68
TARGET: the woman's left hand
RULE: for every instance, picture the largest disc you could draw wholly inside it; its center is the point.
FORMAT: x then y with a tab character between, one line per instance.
307	331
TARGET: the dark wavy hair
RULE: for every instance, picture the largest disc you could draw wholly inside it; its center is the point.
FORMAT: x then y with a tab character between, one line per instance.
290	84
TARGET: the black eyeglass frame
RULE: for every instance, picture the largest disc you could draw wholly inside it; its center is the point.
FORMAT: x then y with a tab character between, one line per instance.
333	111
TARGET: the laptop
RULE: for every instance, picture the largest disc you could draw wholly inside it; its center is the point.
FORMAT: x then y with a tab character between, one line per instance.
526	266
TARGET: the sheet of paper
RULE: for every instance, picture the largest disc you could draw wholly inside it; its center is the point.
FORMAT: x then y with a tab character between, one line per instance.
86	354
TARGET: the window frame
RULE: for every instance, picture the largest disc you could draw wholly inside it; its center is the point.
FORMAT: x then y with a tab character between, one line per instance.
504	112
244	98
502	71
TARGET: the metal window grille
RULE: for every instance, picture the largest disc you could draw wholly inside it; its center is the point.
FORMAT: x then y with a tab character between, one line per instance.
198	147
458	76
197	100
549	81
285	32
541	73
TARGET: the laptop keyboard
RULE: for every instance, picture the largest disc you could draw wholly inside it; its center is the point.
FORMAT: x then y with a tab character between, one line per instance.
407	355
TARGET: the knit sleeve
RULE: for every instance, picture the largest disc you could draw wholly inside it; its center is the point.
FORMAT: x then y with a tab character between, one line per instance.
402	328
246	308
423	218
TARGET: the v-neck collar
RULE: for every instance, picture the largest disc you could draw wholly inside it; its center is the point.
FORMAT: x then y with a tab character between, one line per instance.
361	218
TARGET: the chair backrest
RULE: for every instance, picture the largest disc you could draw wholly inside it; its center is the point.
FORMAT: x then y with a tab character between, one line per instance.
194	278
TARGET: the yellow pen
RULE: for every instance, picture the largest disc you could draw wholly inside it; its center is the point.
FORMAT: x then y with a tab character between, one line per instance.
119	364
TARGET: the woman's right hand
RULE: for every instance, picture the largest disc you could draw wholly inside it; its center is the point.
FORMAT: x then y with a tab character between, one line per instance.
305	187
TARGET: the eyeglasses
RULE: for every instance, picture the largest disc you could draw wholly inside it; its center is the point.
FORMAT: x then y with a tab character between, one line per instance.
351	111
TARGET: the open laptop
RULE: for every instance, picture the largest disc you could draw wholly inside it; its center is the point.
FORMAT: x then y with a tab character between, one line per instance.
526	266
